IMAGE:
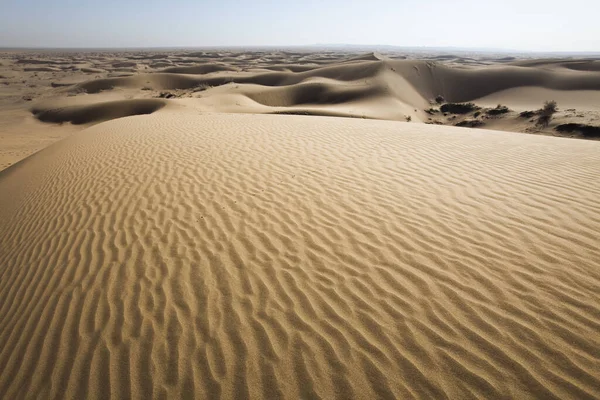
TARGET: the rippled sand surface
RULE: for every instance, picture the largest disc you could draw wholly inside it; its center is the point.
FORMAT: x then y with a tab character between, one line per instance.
178	255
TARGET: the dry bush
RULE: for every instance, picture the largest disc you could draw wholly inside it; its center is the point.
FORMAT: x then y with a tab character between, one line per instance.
459	108
546	113
500	109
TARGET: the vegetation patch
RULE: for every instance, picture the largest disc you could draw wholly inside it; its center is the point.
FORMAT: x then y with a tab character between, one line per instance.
527	114
588	131
499	110
459	108
470	123
546	113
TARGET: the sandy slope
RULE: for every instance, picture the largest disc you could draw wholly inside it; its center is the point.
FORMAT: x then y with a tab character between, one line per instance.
218	256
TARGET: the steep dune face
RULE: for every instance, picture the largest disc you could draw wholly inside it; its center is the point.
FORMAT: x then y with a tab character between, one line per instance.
592	65
314	93
252	256
467	84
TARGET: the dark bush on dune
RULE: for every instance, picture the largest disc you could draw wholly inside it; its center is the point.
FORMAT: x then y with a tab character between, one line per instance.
588	131
527	114
550	107
470	123
500	109
440	99
546	113
459	108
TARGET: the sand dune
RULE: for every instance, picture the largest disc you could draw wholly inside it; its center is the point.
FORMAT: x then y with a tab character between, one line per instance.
429	79
390	86
410	83
199	69
253	256
196	254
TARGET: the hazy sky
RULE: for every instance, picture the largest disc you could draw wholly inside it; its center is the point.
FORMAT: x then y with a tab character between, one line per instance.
545	25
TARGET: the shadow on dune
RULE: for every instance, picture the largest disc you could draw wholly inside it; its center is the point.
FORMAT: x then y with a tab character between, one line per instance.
97	112
312	93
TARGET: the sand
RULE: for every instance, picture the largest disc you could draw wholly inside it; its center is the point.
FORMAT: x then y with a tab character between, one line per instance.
188	252
389	86
249	256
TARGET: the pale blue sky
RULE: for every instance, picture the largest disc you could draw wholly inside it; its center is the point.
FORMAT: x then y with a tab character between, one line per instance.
543	25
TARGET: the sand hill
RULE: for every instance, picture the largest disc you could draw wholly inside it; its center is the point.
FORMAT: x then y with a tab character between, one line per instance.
54	86
257	256
182	241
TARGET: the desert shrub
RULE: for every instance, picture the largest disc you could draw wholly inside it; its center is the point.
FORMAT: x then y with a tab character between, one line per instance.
585	130
408	118
146	88
500	109
527	114
550	107
543	121
470	123
477	114
459	108
546	113
432	111
440	99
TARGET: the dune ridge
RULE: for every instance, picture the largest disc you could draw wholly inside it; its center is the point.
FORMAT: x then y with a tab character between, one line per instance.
259	256
369	86
429	79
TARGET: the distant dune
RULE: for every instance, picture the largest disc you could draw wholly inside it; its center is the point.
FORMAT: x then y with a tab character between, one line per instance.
376	87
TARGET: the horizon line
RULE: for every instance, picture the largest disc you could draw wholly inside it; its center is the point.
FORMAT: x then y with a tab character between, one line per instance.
314	45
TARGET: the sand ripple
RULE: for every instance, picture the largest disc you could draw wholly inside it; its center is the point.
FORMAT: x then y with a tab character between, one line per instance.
245	256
